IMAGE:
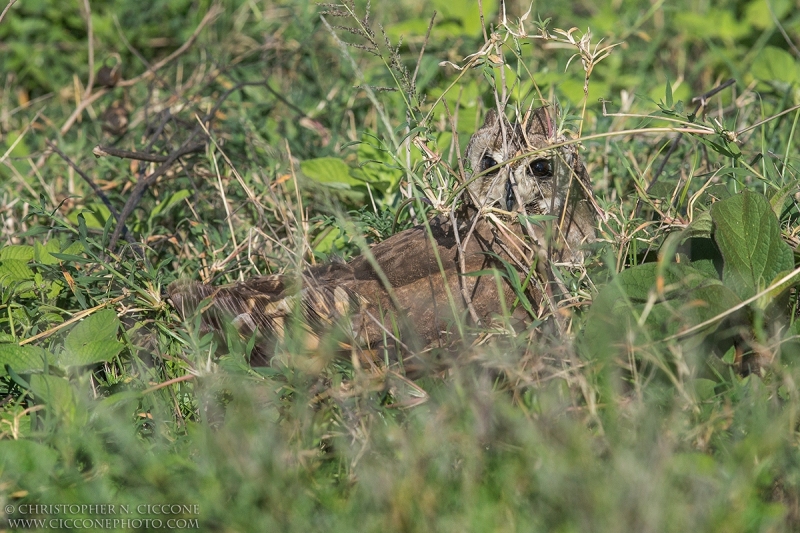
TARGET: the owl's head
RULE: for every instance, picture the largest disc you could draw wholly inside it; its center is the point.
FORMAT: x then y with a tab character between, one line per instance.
548	181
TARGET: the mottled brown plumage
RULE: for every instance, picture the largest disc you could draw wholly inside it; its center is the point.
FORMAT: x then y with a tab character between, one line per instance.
410	292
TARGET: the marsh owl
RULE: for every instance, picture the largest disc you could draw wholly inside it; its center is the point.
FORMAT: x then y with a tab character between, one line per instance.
548	181
406	294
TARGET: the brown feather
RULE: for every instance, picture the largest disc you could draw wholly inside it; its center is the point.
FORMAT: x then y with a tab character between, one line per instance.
405	294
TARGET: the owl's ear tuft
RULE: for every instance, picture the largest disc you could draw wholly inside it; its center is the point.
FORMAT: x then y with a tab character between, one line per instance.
541	123
491	119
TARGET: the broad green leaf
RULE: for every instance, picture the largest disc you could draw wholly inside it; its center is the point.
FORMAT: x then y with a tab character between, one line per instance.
42	252
717	192
21	149
730	355
778	198
52	389
466	13
22	252
13	271
453	20
376	165
57	393
328	239
775	64
27	459
760	13
700	226
95	215
725	25
330	171
23	359
704	388
749	238
690	296
774	293
15	274
74	248
93	340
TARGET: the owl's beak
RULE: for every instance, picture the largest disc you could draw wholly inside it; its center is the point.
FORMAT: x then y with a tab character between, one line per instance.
510	197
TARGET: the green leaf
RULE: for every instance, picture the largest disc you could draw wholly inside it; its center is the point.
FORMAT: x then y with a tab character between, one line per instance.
376	165
51	389
775	64
168	203
723	147
774	293
669	94
13	271
730	355
749	237
57	393
93	340
778	197
330	171
22	252
759	14
704	388
27	460
42	253
699	227
630	309
23	359
94	215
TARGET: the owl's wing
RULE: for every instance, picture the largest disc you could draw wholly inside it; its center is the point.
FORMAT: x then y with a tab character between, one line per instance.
407	295
262	305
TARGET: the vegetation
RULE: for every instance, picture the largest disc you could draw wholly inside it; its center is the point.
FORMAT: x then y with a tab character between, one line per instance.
286	133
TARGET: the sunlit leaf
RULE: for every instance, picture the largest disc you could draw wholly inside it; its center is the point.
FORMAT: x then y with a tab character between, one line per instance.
24	359
93	340
749	236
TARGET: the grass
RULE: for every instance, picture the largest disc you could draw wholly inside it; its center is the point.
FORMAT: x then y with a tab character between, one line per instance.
668	404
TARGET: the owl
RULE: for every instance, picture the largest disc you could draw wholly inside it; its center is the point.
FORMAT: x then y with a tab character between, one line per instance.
417	289
548	181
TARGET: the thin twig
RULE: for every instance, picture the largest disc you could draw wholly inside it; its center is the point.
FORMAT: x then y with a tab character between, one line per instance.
777	25
77	316
283	99
422	50
188	147
141	187
212	13
462	282
760	122
3	14
90	42
703	98
463	271
103	151
483	23
173	381
97	190
20	137
672	149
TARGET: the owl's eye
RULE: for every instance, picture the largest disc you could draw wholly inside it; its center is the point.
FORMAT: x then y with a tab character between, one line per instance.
487	162
541	168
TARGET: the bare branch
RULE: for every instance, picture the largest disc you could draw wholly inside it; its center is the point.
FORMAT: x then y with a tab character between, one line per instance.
3	14
104	151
